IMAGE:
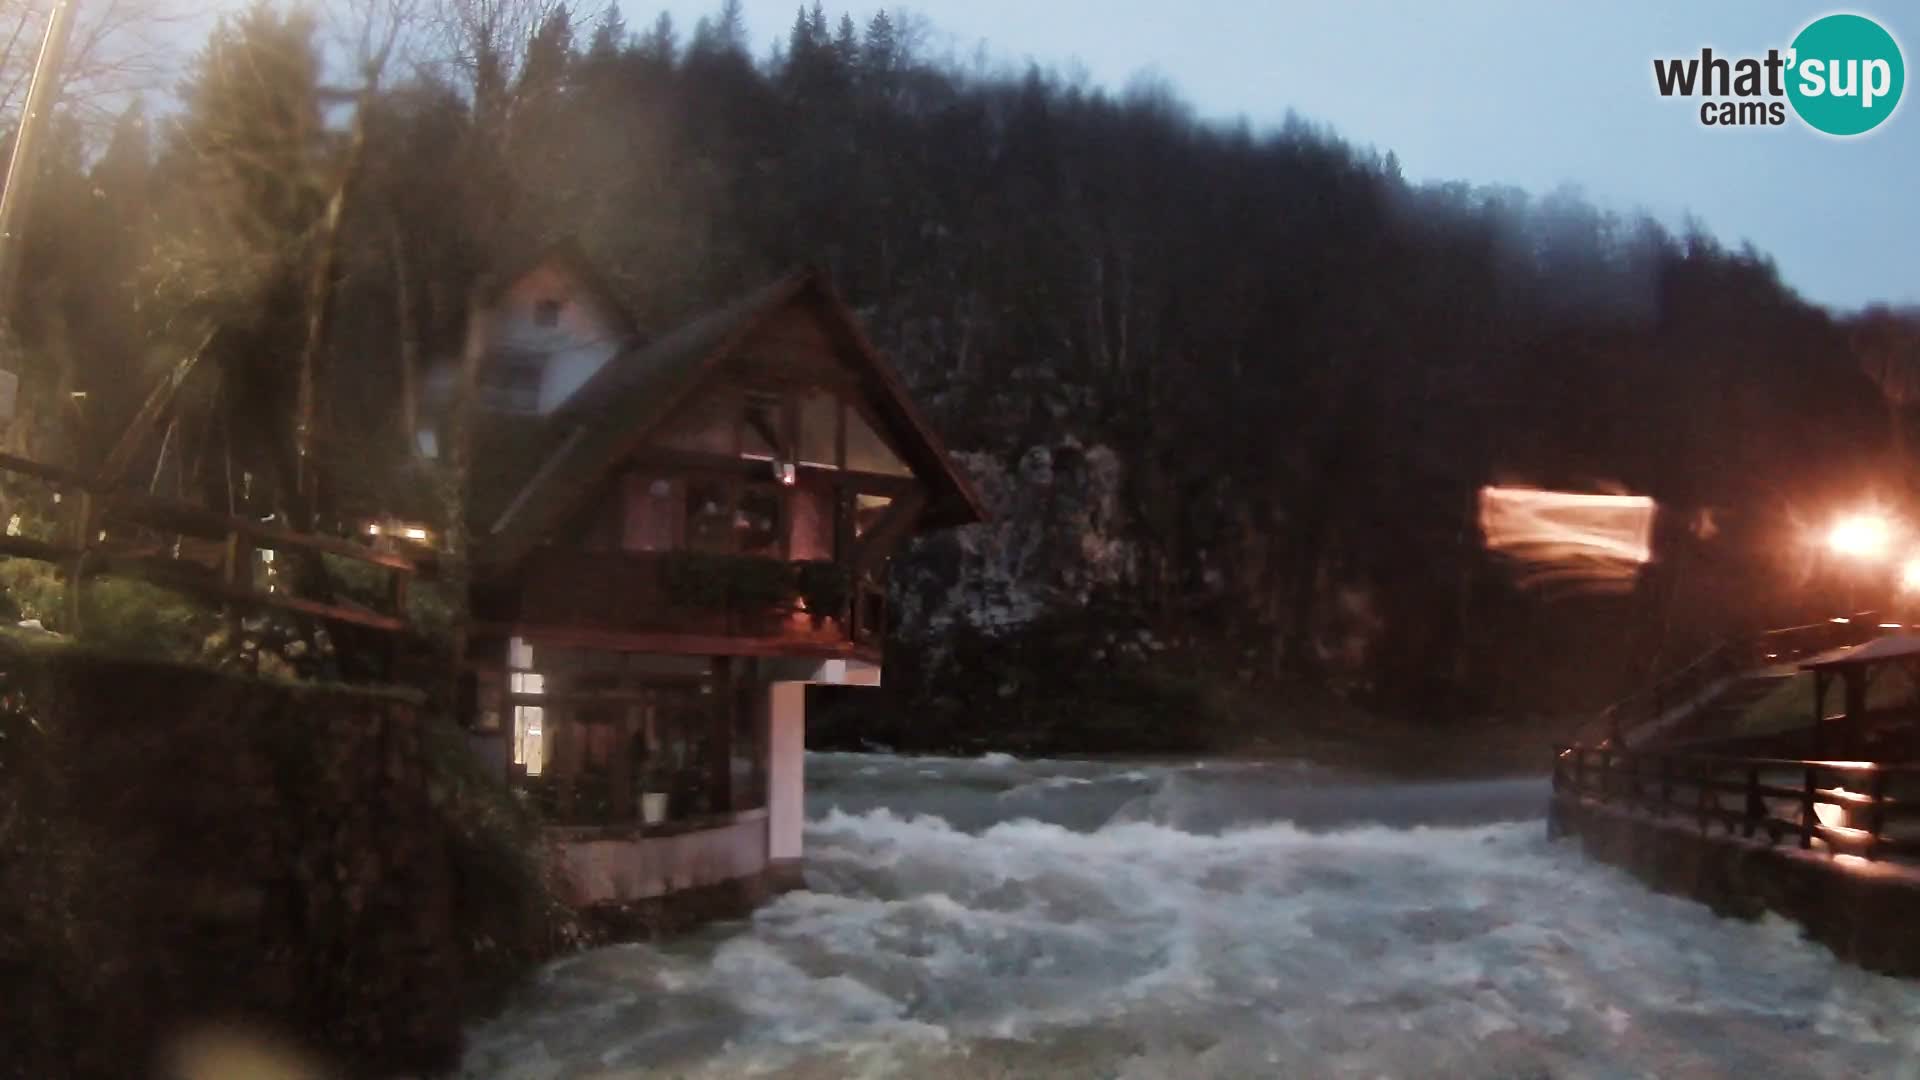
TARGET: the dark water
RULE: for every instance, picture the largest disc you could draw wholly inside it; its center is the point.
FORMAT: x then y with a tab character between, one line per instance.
996	917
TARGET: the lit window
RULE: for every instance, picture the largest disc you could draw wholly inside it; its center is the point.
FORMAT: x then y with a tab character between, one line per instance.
867	512
527	682
519	653
653	512
529	738
758	519
709	515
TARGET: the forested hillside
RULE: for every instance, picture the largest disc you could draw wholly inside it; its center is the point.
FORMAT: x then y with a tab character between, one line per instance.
1231	391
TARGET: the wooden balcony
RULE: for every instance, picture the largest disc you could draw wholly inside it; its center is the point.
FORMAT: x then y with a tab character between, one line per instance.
636	600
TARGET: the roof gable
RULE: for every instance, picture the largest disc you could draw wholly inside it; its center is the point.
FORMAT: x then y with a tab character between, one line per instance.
562	270
616	412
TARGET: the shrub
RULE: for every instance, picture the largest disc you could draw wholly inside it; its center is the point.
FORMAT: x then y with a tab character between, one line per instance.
758	584
695	579
745	583
824	585
35	589
137	619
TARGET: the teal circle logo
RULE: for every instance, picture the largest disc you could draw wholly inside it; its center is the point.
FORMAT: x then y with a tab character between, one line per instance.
1845	75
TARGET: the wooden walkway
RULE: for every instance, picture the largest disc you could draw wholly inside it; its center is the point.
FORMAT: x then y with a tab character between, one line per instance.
1849	809
192	549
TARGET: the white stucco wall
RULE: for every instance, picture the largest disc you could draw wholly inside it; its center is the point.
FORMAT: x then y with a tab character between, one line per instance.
583	338
786	769
620	869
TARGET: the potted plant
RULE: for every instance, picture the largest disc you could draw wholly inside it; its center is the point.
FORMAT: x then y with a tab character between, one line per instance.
757	588
823	586
656	784
695	580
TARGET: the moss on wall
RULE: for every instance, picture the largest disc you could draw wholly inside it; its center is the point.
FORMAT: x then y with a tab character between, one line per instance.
183	847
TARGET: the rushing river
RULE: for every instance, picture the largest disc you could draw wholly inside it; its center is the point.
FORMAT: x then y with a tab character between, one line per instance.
997	917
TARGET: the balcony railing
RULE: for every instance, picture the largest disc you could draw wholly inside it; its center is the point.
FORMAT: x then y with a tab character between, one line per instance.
1863	809
691	594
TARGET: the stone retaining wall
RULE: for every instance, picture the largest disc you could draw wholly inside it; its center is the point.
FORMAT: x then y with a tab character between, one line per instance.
1867	913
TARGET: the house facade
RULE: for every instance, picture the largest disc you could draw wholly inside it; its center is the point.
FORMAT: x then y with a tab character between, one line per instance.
672	538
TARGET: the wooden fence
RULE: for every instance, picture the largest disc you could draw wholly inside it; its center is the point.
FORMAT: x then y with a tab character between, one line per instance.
1729	659
98	534
1857	808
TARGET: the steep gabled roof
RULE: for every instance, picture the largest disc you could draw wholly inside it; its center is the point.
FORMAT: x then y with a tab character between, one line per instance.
1879	650
568	256
552	475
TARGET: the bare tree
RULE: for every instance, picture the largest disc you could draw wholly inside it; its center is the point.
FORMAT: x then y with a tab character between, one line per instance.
118	48
1887	341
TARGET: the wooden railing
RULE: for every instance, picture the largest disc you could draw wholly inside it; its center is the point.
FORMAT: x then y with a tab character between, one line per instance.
1859	808
91	541
1726	660
627	591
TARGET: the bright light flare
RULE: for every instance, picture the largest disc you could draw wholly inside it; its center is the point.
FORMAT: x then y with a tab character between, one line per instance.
1860	536
1910	575
1569	537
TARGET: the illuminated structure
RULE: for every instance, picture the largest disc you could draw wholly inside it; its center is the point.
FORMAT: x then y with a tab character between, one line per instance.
672	537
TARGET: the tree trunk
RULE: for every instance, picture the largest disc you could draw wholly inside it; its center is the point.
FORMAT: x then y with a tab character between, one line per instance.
409	341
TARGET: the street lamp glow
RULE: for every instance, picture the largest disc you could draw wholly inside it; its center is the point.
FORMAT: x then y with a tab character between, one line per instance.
1860	536
1910	575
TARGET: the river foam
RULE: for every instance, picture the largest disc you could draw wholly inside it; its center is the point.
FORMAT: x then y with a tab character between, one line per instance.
1015	918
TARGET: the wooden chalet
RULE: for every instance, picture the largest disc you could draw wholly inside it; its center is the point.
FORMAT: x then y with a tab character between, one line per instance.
671	538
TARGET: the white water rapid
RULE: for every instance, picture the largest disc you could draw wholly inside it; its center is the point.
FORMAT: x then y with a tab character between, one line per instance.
1007	918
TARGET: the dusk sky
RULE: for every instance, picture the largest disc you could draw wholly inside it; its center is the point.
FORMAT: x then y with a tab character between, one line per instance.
1536	95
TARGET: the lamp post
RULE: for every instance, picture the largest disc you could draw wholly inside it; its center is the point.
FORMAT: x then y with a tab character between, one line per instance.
41	94
1860	540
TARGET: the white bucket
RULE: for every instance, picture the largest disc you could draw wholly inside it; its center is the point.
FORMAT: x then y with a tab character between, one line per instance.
653	807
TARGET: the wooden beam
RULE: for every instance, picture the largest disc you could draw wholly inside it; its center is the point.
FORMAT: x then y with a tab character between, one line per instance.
580	637
151	410
173	574
886	533
51	473
174	516
26	547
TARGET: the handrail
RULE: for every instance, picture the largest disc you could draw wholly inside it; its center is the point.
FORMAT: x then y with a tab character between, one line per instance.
1732	762
85	551
1726	659
1684	785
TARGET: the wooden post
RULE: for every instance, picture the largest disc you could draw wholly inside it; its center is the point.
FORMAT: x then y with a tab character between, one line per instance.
43	90
455	569
76	568
1854	679
238	573
720	715
1817	732
1702	795
1876	811
1807	817
1756	807
620	780
564	738
398	582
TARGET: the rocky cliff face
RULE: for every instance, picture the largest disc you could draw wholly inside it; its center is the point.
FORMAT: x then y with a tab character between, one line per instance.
1058	536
